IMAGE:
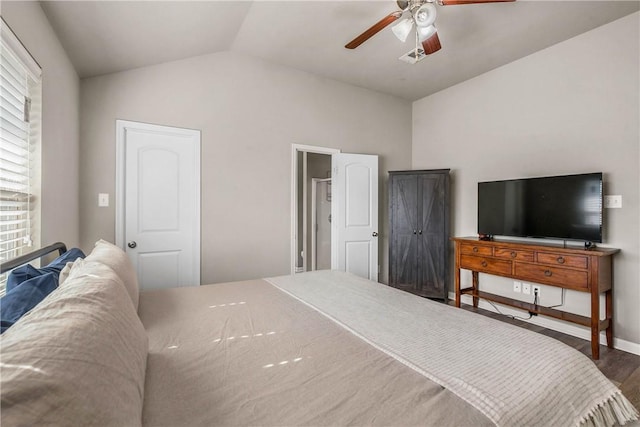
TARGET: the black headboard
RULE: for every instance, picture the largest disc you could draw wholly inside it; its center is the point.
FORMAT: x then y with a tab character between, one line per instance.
23	259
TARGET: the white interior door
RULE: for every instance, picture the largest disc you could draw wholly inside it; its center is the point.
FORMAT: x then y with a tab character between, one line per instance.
354	214
158	208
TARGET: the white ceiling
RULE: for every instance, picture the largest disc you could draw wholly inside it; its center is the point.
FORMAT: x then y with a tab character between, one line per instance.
108	36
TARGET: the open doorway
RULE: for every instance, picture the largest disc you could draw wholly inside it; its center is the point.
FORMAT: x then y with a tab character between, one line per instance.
320	224
311	205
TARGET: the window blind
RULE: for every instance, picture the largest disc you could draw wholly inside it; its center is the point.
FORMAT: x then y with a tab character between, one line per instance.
19	134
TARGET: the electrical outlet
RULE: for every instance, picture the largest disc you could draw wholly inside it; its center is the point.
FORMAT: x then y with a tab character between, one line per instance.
517	286
526	288
536	290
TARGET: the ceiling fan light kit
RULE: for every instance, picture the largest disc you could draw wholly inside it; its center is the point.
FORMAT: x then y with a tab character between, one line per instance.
402	29
423	14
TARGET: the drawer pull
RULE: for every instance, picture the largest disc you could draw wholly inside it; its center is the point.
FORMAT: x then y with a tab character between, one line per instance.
560	260
475	249
484	263
514	254
414	231
547	273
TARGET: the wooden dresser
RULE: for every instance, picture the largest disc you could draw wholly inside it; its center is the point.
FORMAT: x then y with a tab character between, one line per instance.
570	268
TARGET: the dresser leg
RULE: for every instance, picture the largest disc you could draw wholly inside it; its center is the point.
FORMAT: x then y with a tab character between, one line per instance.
457	286
595	346
609	316
475	283
595	324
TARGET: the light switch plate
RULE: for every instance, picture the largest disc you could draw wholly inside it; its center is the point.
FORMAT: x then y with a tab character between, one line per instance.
613	201
103	200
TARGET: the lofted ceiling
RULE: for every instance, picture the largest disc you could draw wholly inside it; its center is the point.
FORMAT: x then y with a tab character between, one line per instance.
103	37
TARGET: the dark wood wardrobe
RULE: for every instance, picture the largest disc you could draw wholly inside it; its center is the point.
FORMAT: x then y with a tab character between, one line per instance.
419	232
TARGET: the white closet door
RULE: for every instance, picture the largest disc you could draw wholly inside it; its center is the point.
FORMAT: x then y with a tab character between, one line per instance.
160	207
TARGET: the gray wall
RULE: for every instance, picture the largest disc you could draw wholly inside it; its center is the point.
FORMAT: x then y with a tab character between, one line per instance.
60	122
250	112
571	108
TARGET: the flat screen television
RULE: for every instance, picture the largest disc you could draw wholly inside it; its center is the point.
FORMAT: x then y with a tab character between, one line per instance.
567	207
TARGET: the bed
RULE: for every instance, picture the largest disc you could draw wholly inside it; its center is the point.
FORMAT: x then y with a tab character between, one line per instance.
319	348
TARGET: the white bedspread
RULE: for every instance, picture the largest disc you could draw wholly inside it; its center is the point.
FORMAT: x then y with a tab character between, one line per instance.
480	359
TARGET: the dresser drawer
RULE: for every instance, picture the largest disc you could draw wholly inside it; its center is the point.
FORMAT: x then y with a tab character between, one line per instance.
486	265
551	258
476	249
513	254
563	277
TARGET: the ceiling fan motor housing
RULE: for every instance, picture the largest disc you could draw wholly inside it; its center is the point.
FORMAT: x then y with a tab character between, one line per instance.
411	5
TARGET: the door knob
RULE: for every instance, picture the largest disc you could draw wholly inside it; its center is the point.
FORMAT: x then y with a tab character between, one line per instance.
374	234
132	244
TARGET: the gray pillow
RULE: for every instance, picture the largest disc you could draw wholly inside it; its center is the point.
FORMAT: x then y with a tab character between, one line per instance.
79	357
115	258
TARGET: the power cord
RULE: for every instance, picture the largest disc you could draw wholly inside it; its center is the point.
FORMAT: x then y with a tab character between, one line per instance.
536	301
509	315
561	301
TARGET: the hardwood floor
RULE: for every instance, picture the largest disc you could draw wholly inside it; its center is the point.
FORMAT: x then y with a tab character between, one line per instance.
619	366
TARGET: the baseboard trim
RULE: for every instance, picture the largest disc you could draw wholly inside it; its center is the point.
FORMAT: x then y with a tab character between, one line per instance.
556	325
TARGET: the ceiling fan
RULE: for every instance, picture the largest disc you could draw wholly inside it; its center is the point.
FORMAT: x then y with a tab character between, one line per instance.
422	13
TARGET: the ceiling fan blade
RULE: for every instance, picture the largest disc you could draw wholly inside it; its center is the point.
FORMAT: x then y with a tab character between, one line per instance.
454	2
373	30
432	44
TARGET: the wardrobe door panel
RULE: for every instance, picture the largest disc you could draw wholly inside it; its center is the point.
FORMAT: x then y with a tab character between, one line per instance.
433	242
403	246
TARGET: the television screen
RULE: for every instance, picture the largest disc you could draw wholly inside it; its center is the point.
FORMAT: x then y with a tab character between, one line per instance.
560	207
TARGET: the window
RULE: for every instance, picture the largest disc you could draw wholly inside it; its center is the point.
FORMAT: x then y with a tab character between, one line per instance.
20	106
